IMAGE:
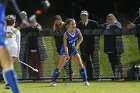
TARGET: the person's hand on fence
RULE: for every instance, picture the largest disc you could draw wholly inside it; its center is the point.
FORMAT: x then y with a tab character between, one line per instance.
131	26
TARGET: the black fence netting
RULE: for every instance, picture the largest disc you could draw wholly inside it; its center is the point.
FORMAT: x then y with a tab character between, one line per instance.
100	62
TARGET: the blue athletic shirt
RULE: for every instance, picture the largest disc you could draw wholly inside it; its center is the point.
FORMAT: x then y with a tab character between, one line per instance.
71	43
2	25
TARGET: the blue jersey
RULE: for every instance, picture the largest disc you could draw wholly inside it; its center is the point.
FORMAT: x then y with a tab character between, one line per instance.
71	43
2	25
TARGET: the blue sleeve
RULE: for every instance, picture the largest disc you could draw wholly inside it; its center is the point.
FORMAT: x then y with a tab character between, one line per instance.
117	25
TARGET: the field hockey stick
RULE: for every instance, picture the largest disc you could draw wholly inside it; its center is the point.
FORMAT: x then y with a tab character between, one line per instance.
67	60
70	70
36	70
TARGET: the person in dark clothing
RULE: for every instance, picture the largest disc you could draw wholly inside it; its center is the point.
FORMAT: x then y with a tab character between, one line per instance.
113	45
136	25
24	51
90	45
33	49
58	29
37	51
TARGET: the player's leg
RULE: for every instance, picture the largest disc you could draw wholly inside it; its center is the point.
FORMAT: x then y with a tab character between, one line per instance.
62	60
7	86
78	60
9	73
13	55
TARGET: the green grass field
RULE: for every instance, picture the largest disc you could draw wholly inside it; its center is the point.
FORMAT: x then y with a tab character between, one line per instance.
77	87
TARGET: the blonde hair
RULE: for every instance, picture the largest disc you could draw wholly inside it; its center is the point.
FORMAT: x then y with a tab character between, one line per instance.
111	15
58	27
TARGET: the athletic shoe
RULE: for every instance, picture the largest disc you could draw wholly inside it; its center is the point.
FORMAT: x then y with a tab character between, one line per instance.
7	86
53	84
86	83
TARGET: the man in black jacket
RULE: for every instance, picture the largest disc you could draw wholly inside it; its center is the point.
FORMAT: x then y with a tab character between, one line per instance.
90	45
136	25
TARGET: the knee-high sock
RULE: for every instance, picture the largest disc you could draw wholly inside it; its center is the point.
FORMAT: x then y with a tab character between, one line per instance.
11	78
83	74
4	74
55	74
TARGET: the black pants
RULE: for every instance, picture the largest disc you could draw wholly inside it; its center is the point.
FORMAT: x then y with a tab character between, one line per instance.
25	59
91	62
139	43
115	59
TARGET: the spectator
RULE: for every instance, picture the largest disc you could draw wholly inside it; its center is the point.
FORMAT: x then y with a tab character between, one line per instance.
90	46
32	46
136	25
71	41
59	28
13	42
37	51
24	52
113	45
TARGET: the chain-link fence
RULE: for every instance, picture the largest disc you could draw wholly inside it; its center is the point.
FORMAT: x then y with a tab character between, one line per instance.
130	57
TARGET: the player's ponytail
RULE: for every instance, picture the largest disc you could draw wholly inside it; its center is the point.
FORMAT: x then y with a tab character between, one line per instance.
10	20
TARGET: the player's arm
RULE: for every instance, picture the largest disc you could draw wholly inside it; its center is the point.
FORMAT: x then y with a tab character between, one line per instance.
18	36
17	33
65	44
79	40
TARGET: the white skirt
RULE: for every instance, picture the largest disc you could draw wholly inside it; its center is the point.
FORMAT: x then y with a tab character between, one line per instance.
13	51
